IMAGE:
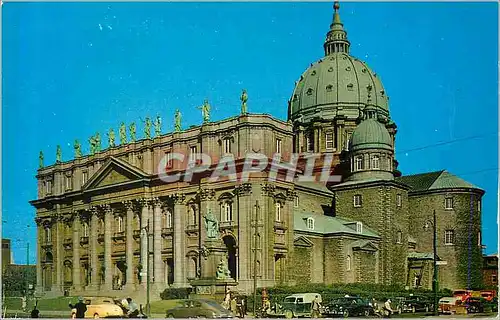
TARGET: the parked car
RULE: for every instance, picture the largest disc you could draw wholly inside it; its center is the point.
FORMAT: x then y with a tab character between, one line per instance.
199	308
297	305
448	304
348	306
474	305
101	307
415	304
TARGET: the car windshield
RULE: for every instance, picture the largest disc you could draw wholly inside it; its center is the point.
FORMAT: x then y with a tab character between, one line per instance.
290	300
214	304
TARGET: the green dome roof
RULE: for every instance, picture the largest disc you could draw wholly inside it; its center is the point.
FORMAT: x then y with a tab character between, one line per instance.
337	83
371	134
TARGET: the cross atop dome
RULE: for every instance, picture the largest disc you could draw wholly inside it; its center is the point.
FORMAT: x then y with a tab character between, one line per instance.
336	38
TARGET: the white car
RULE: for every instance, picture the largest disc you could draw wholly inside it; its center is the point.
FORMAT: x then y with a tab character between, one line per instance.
101	307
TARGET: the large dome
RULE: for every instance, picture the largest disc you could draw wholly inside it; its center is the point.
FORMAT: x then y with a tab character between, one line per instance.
336	82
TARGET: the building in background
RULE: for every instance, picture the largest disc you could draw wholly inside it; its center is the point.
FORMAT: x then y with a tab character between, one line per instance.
97	213
6	253
490	271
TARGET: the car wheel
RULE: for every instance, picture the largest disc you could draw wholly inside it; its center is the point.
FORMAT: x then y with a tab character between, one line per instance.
288	314
413	309
345	313
170	315
367	313
96	316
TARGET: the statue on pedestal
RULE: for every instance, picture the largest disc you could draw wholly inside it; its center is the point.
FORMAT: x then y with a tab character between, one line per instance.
131	127
40	159
78	149
178	117
147	128
58	154
123	134
211	225
157	126
98	142
111	138
244	99
92	143
205	111
223	269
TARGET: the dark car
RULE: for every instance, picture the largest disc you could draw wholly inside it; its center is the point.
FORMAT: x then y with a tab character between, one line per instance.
199	308
416	304
474	305
347	306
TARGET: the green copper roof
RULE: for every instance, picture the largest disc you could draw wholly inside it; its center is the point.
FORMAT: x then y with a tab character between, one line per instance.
328	225
435	181
370	134
314	186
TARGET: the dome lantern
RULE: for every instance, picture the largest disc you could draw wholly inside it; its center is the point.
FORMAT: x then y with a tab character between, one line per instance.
336	38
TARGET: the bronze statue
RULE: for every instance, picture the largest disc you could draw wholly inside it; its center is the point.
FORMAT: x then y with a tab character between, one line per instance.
205	111
111	138
58	154
78	149
40	159
131	128
92	143
147	128
178	117
98	142
158	126
123	133
244	99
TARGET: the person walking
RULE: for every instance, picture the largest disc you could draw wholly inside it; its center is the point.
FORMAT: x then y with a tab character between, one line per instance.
387	308
133	310
315	306
80	307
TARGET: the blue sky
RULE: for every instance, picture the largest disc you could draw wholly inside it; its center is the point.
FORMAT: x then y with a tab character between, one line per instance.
70	70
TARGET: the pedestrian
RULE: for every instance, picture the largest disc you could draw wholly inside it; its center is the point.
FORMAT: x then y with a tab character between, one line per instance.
234	305
35	313
315	307
80	307
23	303
133	311
387	308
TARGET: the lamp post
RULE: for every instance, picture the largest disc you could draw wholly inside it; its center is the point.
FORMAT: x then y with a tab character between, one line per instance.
146	234
434	248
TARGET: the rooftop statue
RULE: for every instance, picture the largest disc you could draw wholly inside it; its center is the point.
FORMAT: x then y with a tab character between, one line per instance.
131	128
40	160
78	149
158	126
205	111
244	99
147	128
178	118
58	154
123	133
111	138
92	143
98	142
211	225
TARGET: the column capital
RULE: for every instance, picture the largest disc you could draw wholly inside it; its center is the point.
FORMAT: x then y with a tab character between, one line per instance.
207	194
244	189
290	194
157	203
128	204
179	198
268	189
144	202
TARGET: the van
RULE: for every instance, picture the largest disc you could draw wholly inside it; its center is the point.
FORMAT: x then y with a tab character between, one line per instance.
299	304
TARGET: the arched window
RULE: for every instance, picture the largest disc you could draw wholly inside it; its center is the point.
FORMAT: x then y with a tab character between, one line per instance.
85	229
348	263
119	224
375	162
358	163
226	212
48	234
278	211
168	219
193	219
310	223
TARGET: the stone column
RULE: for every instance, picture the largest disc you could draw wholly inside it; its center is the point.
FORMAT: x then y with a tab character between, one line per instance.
179	235
94	267
129	251
76	251
159	278
108	262
39	233
144	241
244	216
58	261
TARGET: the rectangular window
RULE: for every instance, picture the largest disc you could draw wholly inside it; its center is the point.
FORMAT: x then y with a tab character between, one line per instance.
399	237
85	229
119	224
85	177
329	140
448	203
399	200
278	146
358	162
296	202
192	154
359	227
168	160
48	237
494	278
375	162
310	223
310	142
479	238
449	237
48	186
358	200
278	211
227	145
69	182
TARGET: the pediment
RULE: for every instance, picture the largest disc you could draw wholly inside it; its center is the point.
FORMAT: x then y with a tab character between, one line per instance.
364	245
302	241
114	172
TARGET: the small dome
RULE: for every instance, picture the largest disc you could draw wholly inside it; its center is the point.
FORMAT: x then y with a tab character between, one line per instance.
371	134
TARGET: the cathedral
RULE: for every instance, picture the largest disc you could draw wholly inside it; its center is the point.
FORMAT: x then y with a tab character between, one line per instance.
107	223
